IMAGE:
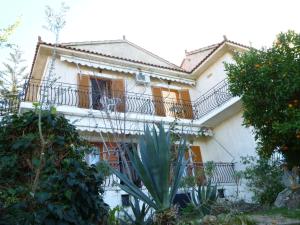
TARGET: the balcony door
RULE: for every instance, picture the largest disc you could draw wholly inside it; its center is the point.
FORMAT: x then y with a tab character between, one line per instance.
102	94
171	99
170	102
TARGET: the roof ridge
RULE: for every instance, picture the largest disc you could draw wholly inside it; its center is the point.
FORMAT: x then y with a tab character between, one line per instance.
215	46
206	57
90	42
202	49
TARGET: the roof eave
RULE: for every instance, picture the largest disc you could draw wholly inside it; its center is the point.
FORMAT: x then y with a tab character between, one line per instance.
225	46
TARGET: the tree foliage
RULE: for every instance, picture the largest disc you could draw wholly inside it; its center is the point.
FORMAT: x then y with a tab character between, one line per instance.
13	74
5	33
68	191
268	82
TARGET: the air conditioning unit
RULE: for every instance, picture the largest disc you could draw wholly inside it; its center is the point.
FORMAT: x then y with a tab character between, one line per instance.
142	78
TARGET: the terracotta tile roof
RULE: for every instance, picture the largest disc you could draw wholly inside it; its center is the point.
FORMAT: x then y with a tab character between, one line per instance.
106	55
208	51
194	57
211	48
96	46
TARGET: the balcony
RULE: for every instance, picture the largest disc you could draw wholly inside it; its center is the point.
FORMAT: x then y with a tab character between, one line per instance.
70	95
212	99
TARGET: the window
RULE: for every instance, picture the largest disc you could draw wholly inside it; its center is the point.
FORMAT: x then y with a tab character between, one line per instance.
111	152
125	200
101	92
93	157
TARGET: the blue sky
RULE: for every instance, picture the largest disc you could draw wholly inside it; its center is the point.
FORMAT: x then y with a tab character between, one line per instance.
166	27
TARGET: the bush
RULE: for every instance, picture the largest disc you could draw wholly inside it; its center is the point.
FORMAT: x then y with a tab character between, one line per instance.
68	190
263	179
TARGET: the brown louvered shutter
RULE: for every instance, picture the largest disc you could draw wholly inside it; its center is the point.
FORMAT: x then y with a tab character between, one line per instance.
186	104
83	91
158	101
118	91
196	156
198	164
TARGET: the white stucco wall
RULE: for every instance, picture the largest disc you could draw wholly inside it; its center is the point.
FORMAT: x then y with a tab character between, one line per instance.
212	76
230	141
67	73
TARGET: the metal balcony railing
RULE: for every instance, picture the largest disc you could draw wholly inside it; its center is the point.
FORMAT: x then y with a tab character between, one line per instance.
212	99
222	173
71	95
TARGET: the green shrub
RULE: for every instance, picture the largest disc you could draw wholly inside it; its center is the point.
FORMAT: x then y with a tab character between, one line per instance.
68	190
263	179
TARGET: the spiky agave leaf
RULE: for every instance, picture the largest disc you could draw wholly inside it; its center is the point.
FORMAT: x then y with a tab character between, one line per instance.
204	197
139	214
153	167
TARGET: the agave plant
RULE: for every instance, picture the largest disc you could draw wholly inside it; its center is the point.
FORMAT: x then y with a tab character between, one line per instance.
204	197
139	216
159	174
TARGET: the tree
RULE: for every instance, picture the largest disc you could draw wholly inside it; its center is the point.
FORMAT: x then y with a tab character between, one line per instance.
68	192
5	33
268	82
12	77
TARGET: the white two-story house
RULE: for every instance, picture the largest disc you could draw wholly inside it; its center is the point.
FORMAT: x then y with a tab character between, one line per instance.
110	89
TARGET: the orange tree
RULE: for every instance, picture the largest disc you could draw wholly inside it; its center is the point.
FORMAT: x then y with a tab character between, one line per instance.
268	82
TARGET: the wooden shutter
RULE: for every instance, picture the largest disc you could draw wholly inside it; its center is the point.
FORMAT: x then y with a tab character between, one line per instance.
186	104
118	91
83	91
197	157
158	101
108	155
198	164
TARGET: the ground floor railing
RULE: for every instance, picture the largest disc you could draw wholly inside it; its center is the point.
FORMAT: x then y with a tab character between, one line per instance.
218	172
